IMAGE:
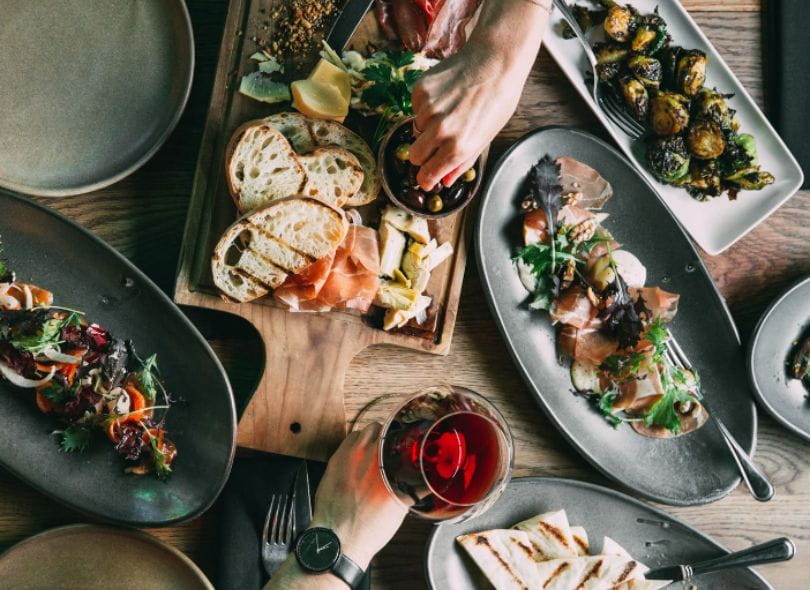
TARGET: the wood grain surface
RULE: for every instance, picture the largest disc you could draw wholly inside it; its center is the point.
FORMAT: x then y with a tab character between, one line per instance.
143	217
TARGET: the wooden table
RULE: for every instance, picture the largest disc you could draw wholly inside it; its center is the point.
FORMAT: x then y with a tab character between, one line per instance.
143	217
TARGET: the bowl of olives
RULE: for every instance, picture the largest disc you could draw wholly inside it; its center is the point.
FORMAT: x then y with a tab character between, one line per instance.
399	178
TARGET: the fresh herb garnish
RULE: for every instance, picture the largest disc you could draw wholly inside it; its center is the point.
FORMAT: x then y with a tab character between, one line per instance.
606	407
75	438
546	194
161	459
36	342
148	376
543	260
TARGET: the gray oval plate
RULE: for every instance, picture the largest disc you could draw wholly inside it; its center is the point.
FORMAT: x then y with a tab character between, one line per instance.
782	324
90	89
86	274
692	469
90	557
651	536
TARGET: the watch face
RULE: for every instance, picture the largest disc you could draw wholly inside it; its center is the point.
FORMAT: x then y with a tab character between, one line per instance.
318	549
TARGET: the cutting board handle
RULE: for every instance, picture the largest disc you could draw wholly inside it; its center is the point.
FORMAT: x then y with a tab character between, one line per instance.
298	407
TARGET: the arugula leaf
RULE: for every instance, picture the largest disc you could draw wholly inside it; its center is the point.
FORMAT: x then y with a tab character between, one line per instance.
46	336
663	412
623	365
606	407
146	377
75	438
161	459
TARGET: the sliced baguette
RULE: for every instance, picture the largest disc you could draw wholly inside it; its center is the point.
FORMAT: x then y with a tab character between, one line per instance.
259	251
333	174
295	127
327	133
261	166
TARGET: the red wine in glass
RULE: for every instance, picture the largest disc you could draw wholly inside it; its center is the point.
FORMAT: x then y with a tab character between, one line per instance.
446	453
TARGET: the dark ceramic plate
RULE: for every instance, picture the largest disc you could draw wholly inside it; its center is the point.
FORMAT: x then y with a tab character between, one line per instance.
97	558
651	536
692	469
86	274
90	89
781	326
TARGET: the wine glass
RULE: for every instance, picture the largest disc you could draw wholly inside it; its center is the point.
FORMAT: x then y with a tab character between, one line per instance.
446	453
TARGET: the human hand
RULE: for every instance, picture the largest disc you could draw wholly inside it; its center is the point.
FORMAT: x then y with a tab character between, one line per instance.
353	501
460	105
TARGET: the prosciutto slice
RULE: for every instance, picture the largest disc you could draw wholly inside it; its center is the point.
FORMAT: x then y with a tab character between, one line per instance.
410	24
660	303
447	33
587	345
591	190
354	278
346	279
572	307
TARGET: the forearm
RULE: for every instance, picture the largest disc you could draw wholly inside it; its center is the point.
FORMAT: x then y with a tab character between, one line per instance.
512	29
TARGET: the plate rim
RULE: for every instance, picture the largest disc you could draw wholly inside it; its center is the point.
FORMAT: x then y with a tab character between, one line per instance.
614	133
147	154
144	279
616	494
133	533
485	282
751	369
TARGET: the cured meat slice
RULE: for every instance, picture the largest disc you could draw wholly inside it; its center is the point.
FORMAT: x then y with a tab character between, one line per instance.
572	307
591	190
299	291
354	278
660	303
447	33
587	345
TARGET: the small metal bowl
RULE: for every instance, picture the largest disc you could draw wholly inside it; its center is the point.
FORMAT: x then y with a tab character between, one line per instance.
381	162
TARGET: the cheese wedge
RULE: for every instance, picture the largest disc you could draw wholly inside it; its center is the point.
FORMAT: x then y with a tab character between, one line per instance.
322	101
328	73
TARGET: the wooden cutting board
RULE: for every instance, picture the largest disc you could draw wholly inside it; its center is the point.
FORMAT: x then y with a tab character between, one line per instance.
298	406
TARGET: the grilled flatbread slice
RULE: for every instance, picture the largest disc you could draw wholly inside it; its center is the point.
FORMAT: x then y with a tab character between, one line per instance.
580	536
327	132
505	557
642	585
295	127
261	166
333	174
259	251
550	535
598	572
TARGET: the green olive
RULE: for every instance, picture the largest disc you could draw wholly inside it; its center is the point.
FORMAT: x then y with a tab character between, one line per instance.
435	203
403	152
469	175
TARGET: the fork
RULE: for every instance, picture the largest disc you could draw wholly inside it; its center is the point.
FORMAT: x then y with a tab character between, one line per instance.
757	482
607	101
278	532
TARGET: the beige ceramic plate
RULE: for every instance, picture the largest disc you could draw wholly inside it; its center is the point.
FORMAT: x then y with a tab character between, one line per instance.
98	558
89	89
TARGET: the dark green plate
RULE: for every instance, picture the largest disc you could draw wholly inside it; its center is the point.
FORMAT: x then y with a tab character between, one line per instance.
89	89
86	274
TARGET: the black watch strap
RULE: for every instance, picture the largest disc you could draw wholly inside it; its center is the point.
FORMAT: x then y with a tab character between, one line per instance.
348	571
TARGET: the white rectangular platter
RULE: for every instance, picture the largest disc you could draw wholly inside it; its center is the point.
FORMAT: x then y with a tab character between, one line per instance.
716	224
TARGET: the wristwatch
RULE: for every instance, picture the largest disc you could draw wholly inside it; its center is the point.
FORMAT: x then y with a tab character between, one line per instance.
318	550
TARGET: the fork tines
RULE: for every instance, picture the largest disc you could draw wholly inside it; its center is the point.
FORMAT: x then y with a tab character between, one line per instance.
617	113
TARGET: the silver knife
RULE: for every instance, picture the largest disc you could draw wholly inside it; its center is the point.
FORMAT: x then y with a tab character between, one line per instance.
781	549
303	500
347	22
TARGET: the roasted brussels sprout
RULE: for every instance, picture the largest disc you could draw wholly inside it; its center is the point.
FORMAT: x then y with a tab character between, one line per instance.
607	72
620	23
706	140
635	96
669	114
646	69
751	179
669	64
608	53
703	180
712	106
668	158
741	152
690	72
650	35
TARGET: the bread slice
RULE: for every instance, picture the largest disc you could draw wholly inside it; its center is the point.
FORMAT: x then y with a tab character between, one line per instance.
259	251
295	127
333	174
327	133
261	166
